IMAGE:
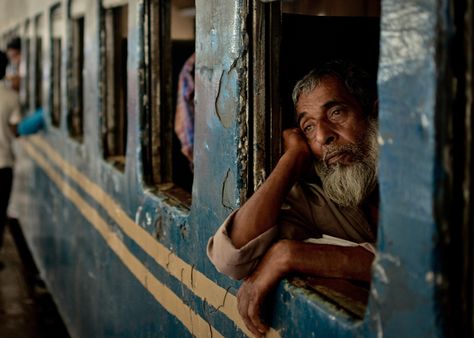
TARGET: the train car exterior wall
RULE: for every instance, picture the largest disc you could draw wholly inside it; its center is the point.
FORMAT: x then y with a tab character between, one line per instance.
124	261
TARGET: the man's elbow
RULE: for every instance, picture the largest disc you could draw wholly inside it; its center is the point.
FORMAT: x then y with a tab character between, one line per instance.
228	262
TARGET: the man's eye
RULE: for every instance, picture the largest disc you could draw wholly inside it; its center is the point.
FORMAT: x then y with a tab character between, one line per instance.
335	114
308	128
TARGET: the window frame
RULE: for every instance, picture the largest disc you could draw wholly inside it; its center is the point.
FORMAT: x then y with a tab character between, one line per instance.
56	40
38	61
265	114
159	111
114	64
76	44
26	56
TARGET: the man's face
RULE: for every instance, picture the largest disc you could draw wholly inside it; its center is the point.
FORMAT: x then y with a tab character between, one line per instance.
330	117
343	140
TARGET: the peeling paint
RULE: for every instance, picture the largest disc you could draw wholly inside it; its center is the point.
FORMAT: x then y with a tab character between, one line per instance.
227	190
425	123
380	140
380	273
227	98
429	277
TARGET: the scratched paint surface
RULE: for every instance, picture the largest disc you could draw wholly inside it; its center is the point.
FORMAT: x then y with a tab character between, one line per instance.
99	297
403	292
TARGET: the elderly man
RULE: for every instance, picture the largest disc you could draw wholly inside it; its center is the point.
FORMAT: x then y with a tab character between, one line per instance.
9	118
325	226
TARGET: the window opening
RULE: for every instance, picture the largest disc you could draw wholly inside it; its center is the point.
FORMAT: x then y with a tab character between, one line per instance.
76	99
115	84
38	63
324	30
168	155
56	62
26	65
26	80
182	86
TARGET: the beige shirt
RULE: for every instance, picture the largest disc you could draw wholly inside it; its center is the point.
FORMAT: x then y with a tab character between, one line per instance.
306	214
9	114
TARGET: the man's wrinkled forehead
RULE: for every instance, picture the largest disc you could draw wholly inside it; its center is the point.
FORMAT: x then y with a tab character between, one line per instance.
326	93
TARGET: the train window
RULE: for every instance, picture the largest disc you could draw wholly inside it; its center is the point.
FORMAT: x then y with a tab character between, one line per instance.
56	62
76	64
168	144
115	84
350	31
38	62
322	30
26	60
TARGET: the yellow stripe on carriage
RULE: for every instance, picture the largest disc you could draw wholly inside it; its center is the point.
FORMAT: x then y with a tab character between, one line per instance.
196	281
166	297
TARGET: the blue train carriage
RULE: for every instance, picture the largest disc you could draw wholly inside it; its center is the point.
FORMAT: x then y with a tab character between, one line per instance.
118	219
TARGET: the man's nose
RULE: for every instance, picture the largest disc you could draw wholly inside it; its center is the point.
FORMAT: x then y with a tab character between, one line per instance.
325	135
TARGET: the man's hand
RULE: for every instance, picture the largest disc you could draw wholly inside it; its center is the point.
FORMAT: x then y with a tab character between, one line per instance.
294	139
250	298
261	211
288	256
295	144
256	287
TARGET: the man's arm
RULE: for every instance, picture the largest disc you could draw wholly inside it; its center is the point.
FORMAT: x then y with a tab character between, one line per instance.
286	257
261	211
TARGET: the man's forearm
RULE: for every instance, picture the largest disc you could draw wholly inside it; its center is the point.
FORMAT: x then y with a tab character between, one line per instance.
285	257
325	260
261	211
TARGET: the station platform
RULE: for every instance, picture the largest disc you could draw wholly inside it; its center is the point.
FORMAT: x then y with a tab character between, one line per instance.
26	307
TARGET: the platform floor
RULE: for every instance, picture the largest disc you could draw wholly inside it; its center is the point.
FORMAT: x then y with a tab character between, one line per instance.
26	308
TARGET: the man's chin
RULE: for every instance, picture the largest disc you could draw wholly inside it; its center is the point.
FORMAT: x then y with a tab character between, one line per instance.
347	185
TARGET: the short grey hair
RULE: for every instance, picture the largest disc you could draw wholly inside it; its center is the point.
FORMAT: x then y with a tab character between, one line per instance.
356	80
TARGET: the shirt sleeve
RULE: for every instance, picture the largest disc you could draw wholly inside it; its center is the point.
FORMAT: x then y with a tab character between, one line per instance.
233	262
326	239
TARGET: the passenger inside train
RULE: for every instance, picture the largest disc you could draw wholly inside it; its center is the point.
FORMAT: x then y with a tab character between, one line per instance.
316	214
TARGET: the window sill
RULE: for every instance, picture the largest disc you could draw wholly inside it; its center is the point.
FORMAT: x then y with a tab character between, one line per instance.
349	296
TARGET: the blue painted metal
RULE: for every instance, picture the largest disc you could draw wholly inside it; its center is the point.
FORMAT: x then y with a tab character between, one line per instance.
99	297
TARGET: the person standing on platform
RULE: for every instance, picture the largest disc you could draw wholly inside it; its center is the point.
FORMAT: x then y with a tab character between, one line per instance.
9	118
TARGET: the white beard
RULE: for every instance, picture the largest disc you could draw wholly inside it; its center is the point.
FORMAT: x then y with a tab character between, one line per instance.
349	185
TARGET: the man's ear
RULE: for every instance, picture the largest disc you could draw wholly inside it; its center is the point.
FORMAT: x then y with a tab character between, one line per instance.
375	109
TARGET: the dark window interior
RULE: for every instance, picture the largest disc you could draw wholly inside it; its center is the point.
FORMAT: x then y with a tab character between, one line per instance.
38	73
56	81
353	38
182	168
26	80
115	82
170	34
291	38
75	116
